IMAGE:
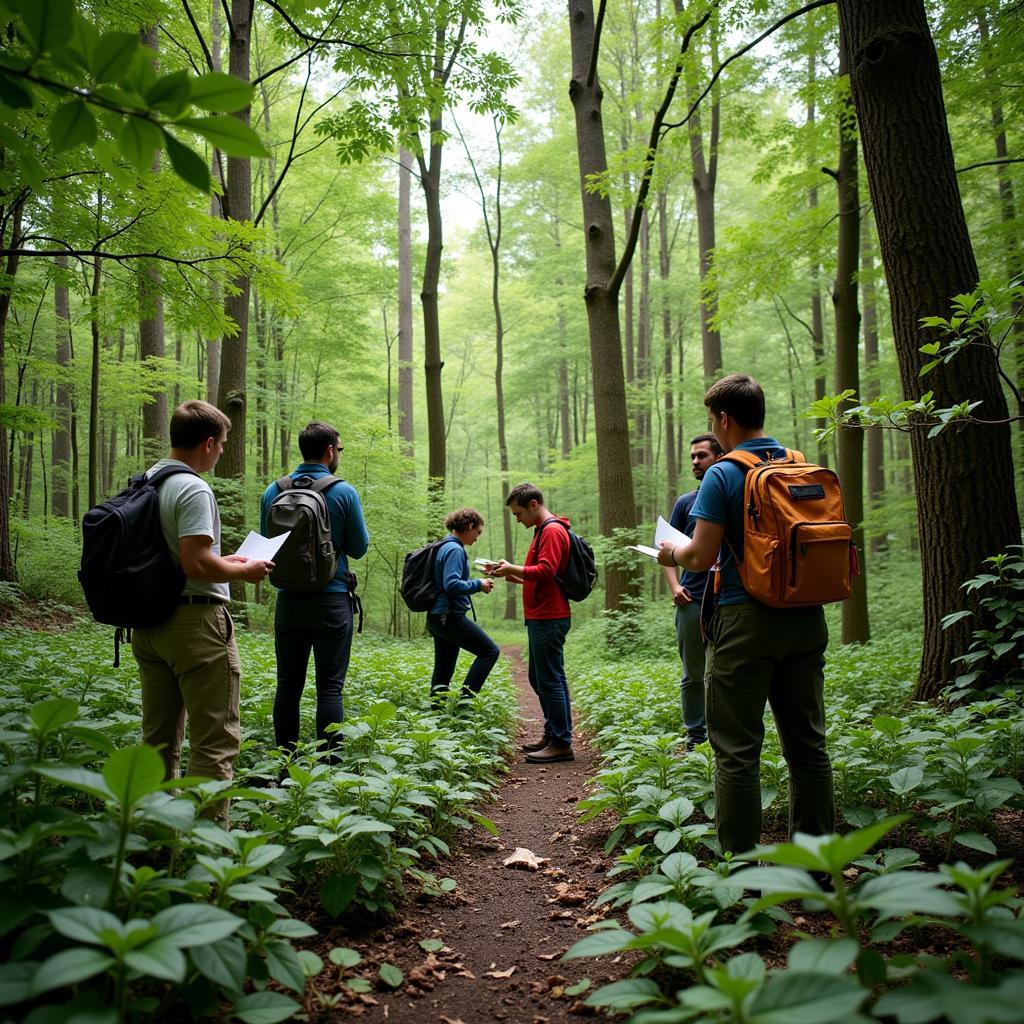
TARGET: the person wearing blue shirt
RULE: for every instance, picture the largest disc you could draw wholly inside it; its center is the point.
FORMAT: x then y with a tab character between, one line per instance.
319	621
687	593
447	621
757	654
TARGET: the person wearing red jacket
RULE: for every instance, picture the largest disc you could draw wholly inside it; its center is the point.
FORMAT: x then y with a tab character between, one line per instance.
548	618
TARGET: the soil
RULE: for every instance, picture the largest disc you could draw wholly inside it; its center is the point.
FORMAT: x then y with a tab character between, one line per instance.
503	928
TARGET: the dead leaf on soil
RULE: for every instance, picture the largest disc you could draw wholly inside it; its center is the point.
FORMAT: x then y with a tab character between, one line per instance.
548	956
569	896
450	1020
510	924
501	974
523	858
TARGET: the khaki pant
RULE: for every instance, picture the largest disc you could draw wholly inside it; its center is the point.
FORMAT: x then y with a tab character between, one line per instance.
760	655
190	666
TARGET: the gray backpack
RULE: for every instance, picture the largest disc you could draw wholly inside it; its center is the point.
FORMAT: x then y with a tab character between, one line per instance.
307	560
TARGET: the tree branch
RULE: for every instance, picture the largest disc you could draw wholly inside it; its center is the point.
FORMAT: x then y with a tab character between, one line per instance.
652	152
199	34
992	163
596	48
742	52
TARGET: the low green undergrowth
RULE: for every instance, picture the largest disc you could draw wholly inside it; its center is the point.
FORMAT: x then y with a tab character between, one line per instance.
914	940
122	902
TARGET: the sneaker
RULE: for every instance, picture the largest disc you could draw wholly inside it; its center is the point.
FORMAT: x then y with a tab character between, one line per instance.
551	754
529	748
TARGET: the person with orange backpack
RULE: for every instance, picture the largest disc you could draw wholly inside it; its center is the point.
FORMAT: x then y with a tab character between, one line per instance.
772	529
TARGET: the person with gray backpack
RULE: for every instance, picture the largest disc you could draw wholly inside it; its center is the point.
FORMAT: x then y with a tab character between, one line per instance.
316	590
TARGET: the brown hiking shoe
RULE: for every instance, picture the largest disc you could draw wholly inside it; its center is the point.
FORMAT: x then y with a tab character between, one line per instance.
551	754
529	748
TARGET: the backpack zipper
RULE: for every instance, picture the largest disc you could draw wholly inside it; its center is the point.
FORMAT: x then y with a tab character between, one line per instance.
793	542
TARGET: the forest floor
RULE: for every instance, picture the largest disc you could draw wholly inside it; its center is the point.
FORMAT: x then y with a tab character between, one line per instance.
503	928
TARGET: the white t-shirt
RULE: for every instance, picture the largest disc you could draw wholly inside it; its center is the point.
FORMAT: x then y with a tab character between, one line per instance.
189	509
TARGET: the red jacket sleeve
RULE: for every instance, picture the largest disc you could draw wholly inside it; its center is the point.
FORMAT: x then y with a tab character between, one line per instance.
552	552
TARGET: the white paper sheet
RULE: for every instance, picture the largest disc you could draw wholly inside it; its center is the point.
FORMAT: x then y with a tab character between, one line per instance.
665	532
256	546
644	550
484	562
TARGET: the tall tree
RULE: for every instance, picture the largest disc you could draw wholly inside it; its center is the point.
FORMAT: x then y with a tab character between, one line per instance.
928	258
60	454
875	441
9	214
847	319
405	383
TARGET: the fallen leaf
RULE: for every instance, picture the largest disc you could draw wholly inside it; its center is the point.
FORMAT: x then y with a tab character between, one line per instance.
501	974
548	956
510	924
450	1020
568	896
523	858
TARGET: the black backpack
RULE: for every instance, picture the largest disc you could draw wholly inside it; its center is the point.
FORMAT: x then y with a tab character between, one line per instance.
580	574
307	560
419	589
128	576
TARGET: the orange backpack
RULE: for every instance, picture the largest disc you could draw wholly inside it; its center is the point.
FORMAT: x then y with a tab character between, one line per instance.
798	548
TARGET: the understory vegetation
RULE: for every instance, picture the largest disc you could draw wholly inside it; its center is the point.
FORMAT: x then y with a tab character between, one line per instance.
912	914
121	902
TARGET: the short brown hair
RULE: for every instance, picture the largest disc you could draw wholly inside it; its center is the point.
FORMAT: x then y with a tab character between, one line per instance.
315	439
523	494
741	397
193	422
463	519
710	440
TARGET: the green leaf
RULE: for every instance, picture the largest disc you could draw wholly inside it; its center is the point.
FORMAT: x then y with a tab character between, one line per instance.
624	995
485	823
113	55
72	125
132	773
907	892
227	133
905	780
579	988
48	24
195	924
391	975
284	965
84	924
138	141
13	94
823	956
69	968
266	1008
337	892
610	940
222	962
220	93
16	982
976	841
344	957
431	945
169	94
796	998
49	715
160	958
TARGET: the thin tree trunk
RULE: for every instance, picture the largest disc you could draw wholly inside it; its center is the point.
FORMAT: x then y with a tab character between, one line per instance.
28	455
60	455
617	509
213	345
847	318
817	316
432	363
405	382
151	321
94	379
664	264
876	450
926	250
8	570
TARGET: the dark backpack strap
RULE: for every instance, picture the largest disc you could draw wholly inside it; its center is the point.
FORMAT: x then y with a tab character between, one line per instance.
553	519
324	483
162	474
284	483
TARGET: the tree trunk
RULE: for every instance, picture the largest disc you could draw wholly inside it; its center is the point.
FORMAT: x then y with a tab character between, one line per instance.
617	510
213	345
8	571
847	318
817	318
151	323
405	384
432	363
231	395
60	455
27	458
664	264
876	450
94	382
963	516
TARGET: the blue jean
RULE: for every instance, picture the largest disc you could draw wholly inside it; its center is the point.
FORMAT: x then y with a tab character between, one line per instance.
547	676
320	623
691	652
452	633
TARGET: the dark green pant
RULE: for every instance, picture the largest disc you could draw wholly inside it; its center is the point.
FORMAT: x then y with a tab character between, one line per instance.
760	655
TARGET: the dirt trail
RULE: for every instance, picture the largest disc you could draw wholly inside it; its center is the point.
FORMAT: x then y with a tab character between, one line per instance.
504	929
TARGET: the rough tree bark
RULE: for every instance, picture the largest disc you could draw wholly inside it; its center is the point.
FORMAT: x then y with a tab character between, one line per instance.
60	453
213	345
8	570
850	456
664	265
616	503
94	378
817	317
926	250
